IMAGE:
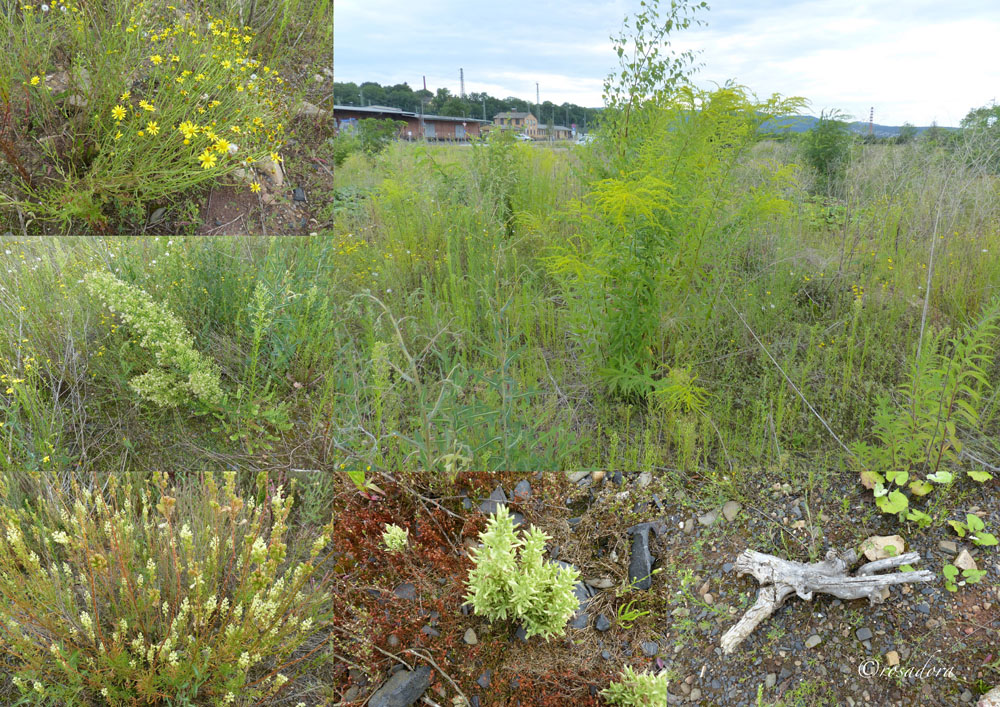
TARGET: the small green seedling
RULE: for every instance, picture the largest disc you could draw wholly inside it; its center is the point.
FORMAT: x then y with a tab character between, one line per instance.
969	576
627	615
976	529
395	538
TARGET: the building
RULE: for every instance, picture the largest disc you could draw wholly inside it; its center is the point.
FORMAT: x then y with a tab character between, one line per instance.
558	132
417	126
518	122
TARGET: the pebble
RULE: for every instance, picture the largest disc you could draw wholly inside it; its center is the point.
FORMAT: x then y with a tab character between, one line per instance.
650	648
406	591
522	492
892	658
470	637
602	624
731	509
948	546
708	519
770	680
813	641
484	680
695	695
864	634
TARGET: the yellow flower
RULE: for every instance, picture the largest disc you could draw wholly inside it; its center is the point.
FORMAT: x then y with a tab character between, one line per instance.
255	187
201	110
118	135
179	79
207	159
174	58
188	128
226	64
156	59
118	113
126	96
258	122
35	80
221	145
141	133
186	141
45	459
275	157
152	127
235	129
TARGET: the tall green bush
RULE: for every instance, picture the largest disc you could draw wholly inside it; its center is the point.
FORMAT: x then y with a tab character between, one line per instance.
827	150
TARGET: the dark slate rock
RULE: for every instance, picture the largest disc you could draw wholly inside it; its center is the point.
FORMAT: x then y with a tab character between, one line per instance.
650	648
430	631
467	503
727	567
573	522
406	591
517	518
522	492
606	655
602	623
641	565
484	680
402	689
475	701
784	674
580	620
521	633
496	499
924	608
554	552
864	634
617	478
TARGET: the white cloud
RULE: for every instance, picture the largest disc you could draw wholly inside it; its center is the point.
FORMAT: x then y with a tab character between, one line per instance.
915	61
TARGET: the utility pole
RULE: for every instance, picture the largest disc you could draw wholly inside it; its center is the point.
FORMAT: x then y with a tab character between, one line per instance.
461	83
484	107
538	103
871	121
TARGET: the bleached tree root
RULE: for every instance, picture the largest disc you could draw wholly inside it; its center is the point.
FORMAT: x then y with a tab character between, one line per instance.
780	578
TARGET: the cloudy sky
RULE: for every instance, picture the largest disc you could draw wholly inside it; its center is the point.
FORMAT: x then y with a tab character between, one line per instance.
915	61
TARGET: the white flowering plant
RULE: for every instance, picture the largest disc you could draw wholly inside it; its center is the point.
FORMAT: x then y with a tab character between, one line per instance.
151	593
181	374
512	581
637	689
395	538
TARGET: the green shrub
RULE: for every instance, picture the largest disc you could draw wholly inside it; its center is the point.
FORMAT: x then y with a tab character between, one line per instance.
511	581
146	593
827	148
181	371
637	690
375	135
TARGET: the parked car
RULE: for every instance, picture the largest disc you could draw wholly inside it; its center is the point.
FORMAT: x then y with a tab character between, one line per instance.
584	139
522	137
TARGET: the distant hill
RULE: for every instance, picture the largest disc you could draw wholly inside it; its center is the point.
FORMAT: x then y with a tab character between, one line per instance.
805	123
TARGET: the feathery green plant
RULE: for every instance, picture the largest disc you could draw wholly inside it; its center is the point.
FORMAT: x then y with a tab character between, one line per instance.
512	581
181	374
637	689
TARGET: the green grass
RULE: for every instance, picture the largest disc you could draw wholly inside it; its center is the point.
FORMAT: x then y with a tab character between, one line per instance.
429	333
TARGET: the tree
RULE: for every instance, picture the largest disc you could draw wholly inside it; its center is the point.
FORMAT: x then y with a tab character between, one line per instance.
454	106
827	148
907	133
982	118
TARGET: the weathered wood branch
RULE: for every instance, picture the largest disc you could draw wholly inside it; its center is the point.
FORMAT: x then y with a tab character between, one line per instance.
780	578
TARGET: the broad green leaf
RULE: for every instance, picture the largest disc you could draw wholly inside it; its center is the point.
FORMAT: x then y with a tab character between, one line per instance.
941	477
950	571
919	517
980	476
985	539
959	527
974	522
973	576
920	488
896	502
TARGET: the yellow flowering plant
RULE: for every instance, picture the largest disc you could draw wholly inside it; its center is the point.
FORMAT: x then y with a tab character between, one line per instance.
151	592
130	145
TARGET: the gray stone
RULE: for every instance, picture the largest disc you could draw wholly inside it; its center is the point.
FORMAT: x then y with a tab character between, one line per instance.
602	623
709	518
580	620
948	546
484	680
813	641
695	694
406	591
470	637
402	689
299	194
771	680
272	170
157	216
924	608
430	631
606	655
641	565
650	648
731	509
307	109
496	499
522	492
864	634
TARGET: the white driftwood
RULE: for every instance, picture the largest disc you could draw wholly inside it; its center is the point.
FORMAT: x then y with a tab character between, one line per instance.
780	578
